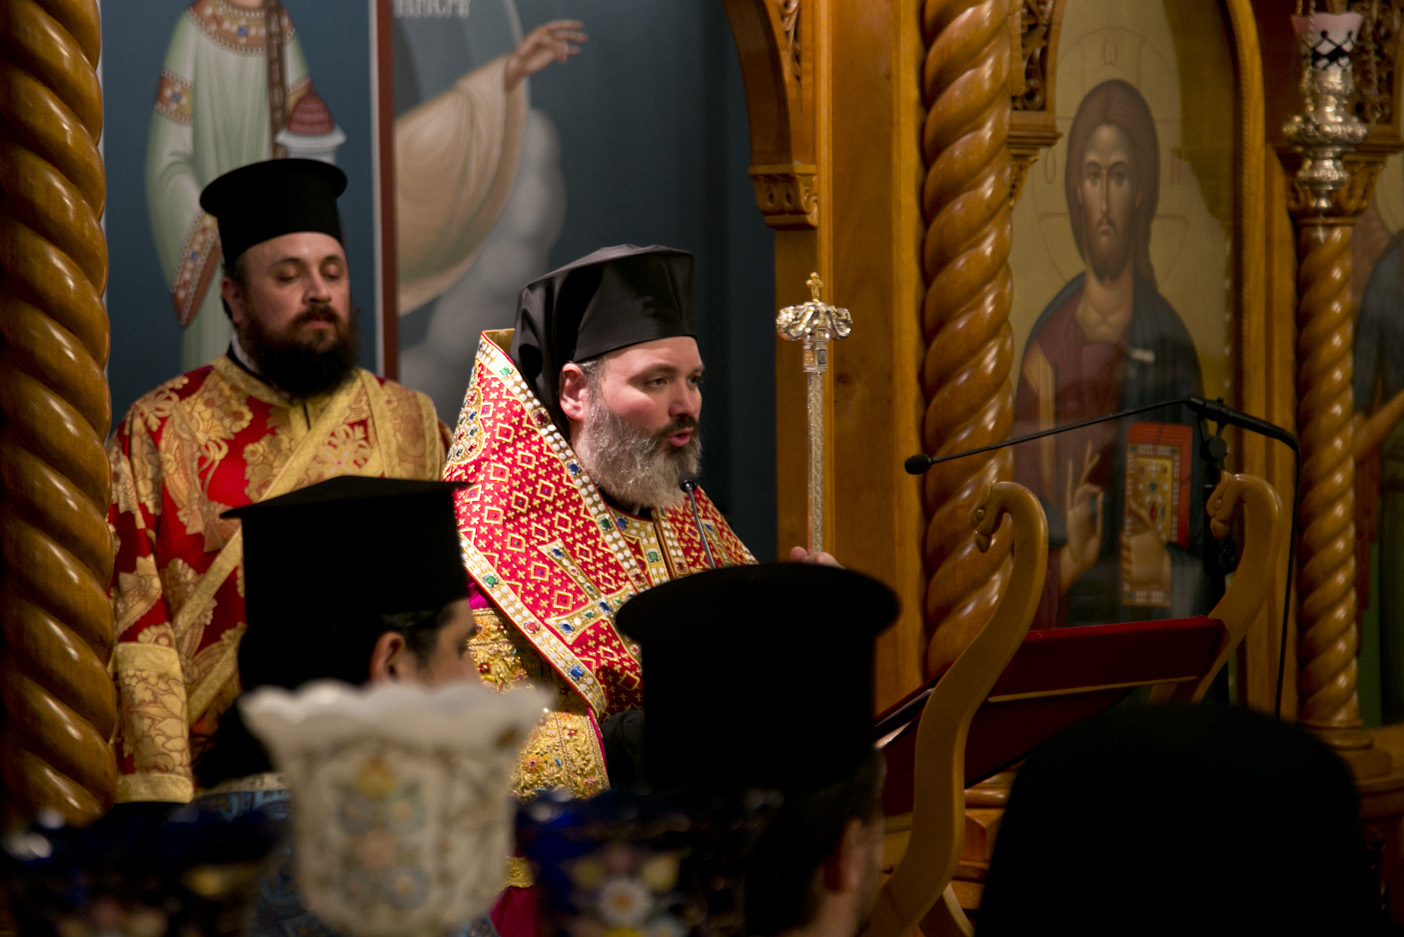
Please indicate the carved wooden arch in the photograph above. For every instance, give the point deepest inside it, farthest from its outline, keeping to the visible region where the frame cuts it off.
(1033, 89)
(778, 71)
(832, 100)
(777, 43)
(979, 78)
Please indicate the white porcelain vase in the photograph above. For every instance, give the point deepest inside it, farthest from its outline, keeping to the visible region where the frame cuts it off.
(401, 805)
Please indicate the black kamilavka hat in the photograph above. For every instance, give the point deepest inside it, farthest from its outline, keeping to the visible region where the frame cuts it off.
(611, 299)
(323, 563)
(758, 676)
(261, 201)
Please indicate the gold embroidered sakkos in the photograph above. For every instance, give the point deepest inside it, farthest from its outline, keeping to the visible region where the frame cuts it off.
(563, 750)
(552, 561)
(197, 445)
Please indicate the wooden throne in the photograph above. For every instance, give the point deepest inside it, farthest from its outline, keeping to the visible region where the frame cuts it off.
(1012, 688)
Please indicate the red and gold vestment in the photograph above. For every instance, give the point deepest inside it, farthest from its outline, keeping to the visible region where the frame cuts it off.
(552, 561)
(210, 440)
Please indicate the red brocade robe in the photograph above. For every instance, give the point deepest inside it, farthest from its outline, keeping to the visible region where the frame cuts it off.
(198, 445)
(551, 562)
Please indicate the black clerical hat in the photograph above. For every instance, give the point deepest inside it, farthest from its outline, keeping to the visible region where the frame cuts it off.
(758, 676)
(261, 201)
(611, 299)
(323, 563)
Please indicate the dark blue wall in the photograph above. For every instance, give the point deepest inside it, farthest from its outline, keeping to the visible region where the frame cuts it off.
(654, 147)
(145, 333)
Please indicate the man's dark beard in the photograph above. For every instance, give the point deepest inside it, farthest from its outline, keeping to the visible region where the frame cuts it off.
(1108, 260)
(631, 466)
(293, 366)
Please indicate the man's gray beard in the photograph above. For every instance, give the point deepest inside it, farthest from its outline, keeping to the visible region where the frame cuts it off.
(631, 466)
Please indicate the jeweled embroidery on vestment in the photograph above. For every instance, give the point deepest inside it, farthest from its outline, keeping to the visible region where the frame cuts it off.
(563, 752)
(545, 547)
(174, 97)
(234, 27)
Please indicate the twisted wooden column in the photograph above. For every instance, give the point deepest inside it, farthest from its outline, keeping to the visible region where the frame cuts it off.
(965, 313)
(59, 702)
(1326, 549)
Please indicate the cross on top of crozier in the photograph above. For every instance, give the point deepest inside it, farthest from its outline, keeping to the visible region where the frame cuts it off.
(814, 320)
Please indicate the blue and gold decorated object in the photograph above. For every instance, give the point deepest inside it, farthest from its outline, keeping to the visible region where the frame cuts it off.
(630, 864)
(400, 803)
(222, 865)
(143, 871)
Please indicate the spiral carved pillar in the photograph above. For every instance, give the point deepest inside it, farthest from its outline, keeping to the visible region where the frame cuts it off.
(1326, 549)
(58, 700)
(1327, 622)
(965, 312)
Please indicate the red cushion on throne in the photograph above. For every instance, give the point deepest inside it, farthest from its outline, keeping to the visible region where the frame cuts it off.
(1056, 678)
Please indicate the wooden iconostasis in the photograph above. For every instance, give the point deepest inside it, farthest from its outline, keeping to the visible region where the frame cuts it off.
(913, 153)
(916, 155)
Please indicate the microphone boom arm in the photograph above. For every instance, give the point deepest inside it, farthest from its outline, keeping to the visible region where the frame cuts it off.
(1215, 410)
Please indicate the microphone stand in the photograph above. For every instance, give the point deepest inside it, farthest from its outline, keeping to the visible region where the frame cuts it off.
(1223, 414)
(1217, 556)
(1212, 452)
(1215, 410)
(687, 481)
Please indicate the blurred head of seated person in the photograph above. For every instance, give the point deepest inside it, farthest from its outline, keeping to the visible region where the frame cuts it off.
(354, 579)
(1181, 819)
(761, 678)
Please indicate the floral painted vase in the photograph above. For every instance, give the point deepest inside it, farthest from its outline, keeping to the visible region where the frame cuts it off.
(401, 806)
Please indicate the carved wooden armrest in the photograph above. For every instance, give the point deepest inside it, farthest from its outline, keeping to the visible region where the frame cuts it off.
(921, 881)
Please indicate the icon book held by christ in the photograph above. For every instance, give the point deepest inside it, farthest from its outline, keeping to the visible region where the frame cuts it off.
(1157, 494)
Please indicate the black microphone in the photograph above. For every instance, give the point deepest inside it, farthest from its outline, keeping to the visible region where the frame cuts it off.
(687, 481)
(916, 464)
(1224, 415)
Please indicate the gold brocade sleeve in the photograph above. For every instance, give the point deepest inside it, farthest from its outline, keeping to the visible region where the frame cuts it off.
(154, 733)
(419, 436)
(151, 743)
(564, 751)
